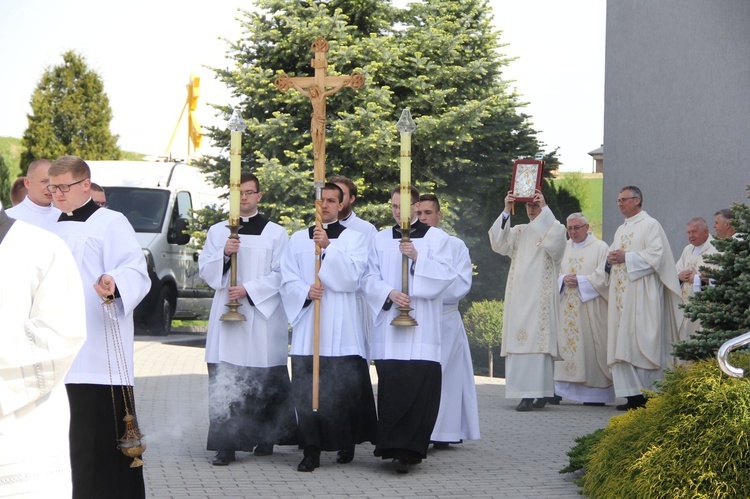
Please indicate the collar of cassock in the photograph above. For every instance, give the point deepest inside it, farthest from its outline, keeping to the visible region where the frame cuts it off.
(252, 226)
(418, 230)
(333, 230)
(79, 214)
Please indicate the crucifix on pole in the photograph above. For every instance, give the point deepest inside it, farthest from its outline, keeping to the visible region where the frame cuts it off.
(317, 88)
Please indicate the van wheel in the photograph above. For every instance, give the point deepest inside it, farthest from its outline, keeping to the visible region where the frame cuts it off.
(161, 318)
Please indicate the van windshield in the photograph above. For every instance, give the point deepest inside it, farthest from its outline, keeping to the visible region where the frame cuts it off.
(144, 208)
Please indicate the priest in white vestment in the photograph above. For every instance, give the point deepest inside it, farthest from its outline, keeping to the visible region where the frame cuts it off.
(346, 413)
(250, 407)
(43, 327)
(112, 266)
(688, 268)
(582, 373)
(644, 294)
(458, 417)
(407, 358)
(349, 219)
(530, 321)
(36, 208)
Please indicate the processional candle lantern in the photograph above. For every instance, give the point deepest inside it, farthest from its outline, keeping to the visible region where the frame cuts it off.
(406, 127)
(236, 125)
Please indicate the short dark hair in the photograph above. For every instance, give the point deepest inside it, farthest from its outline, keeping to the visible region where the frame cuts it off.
(70, 164)
(726, 213)
(96, 187)
(17, 191)
(431, 197)
(330, 186)
(250, 177)
(340, 179)
(636, 193)
(414, 193)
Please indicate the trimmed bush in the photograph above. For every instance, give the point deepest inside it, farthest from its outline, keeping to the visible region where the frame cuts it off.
(691, 440)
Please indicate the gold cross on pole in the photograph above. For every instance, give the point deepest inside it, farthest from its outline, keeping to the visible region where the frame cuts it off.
(317, 88)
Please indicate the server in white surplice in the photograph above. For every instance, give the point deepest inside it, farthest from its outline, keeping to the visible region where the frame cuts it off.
(407, 358)
(111, 264)
(250, 406)
(346, 414)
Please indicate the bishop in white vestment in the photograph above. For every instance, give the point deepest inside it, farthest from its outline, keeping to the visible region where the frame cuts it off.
(111, 264)
(644, 293)
(530, 321)
(250, 406)
(688, 268)
(42, 320)
(346, 413)
(582, 373)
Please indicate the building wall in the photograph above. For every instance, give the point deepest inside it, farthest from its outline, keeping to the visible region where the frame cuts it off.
(677, 109)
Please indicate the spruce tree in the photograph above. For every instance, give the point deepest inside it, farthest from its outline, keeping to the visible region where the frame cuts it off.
(70, 115)
(724, 307)
(440, 58)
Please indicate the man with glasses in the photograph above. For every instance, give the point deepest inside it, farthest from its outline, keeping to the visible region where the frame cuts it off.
(36, 208)
(250, 407)
(98, 195)
(582, 373)
(530, 324)
(112, 267)
(644, 294)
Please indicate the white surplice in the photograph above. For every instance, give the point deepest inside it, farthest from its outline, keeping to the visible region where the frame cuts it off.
(43, 328)
(262, 339)
(458, 417)
(342, 266)
(30, 212)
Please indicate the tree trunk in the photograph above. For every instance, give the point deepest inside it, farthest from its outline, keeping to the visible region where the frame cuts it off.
(492, 363)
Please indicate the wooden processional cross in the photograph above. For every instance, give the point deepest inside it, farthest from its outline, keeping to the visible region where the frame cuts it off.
(317, 88)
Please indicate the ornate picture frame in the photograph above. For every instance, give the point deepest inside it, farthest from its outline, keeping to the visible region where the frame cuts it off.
(526, 178)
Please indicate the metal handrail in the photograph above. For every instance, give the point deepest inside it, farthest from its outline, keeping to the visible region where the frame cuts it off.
(723, 353)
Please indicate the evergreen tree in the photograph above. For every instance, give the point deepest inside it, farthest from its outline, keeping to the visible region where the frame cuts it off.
(440, 58)
(724, 308)
(70, 115)
(5, 184)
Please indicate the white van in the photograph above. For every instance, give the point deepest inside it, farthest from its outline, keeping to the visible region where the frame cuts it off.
(158, 199)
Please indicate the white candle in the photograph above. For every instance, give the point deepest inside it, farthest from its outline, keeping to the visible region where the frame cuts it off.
(235, 152)
(405, 179)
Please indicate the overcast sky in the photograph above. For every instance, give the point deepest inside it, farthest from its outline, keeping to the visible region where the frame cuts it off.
(146, 50)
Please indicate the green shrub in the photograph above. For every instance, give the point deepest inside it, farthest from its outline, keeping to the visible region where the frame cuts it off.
(581, 452)
(691, 440)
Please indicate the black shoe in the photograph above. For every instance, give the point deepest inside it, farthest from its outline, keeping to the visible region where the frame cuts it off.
(263, 450)
(554, 400)
(401, 465)
(345, 456)
(634, 402)
(526, 405)
(540, 403)
(309, 463)
(440, 445)
(594, 404)
(223, 458)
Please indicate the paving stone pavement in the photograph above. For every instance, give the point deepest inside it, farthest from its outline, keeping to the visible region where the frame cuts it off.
(519, 454)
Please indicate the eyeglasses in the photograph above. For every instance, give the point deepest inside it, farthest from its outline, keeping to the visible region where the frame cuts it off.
(63, 187)
(103, 204)
(577, 227)
(248, 193)
(622, 200)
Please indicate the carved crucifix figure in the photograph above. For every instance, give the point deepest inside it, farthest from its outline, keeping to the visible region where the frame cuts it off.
(317, 89)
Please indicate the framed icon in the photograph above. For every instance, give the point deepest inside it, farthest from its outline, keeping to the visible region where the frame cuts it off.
(527, 177)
